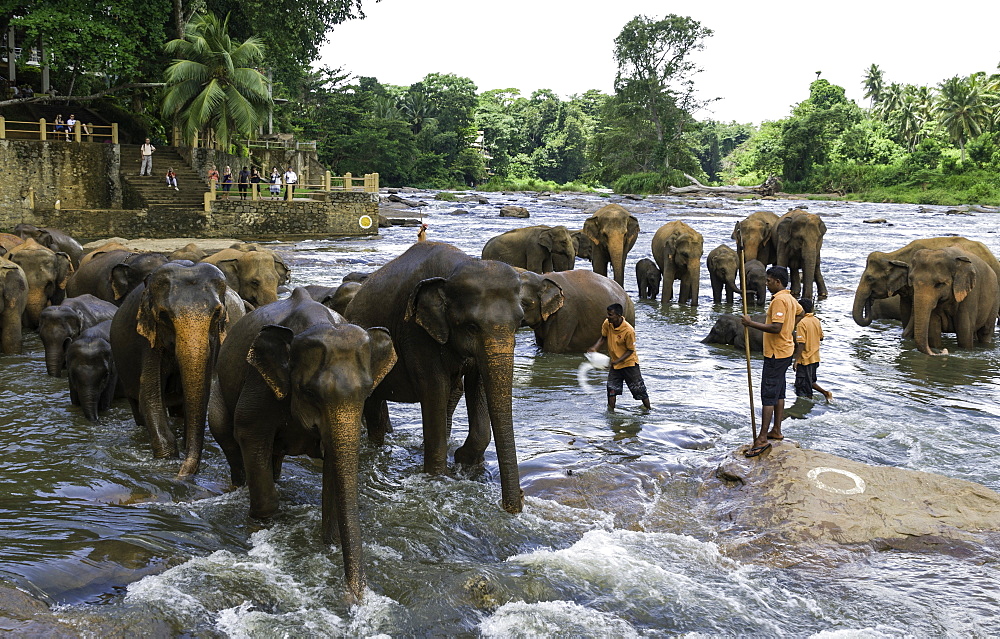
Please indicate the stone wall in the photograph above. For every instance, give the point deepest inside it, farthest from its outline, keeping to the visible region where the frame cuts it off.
(80, 175)
(244, 219)
(308, 168)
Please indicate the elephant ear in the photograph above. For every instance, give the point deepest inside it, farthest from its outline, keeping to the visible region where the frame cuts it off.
(146, 318)
(429, 308)
(551, 298)
(269, 355)
(284, 273)
(897, 277)
(545, 239)
(65, 267)
(631, 232)
(231, 269)
(592, 229)
(964, 279)
(119, 280)
(383, 354)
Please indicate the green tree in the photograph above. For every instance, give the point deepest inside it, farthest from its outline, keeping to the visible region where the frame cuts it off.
(654, 72)
(213, 82)
(963, 110)
(873, 83)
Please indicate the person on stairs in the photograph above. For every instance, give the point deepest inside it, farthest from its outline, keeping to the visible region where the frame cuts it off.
(172, 179)
(146, 153)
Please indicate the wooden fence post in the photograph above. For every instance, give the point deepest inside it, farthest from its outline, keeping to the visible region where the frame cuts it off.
(76, 132)
(326, 180)
(42, 133)
(3, 128)
(114, 133)
(254, 191)
(348, 182)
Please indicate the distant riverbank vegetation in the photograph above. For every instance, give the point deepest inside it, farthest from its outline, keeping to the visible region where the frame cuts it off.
(935, 144)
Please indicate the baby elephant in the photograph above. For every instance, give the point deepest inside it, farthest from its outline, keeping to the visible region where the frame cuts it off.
(647, 274)
(93, 379)
(728, 329)
(723, 265)
(756, 292)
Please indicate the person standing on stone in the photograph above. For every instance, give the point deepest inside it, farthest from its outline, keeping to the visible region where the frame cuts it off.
(145, 153)
(779, 346)
(291, 179)
(254, 181)
(227, 182)
(244, 182)
(619, 336)
(805, 361)
(275, 182)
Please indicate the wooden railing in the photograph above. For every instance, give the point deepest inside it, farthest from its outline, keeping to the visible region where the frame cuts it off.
(44, 130)
(300, 191)
(281, 144)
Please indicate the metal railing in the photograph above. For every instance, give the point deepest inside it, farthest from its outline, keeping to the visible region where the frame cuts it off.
(44, 130)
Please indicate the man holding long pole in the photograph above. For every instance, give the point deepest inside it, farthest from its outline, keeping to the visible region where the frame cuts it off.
(779, 346)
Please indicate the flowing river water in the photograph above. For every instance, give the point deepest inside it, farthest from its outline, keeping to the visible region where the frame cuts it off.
(613, 540)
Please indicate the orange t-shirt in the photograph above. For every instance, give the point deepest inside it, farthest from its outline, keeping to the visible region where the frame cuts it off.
(809, 333)
(783, 308)
(620, 339)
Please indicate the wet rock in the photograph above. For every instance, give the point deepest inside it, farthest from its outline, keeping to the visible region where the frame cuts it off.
(458, 212)
(383, 222)
(792, 495)
(392, 191)
(514, 211)
(959, 211)
(876, 220)
(632, 196)
(410, 203)
(399, 221)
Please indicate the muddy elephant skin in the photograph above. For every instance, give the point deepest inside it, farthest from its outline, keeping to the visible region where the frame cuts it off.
(13, 300)
(728, 329)
(540, 249)
(255, 275)
(800, 243)
(723, 265)
(757, 234)
(111, 275)
(677, 249)
(647, 276)
(60, 325)
(90, 367)
(53, 239)
(612, 231)
(46, 273)
(756, 282)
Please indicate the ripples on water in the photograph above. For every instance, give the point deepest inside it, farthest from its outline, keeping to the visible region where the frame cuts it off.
(612, 541)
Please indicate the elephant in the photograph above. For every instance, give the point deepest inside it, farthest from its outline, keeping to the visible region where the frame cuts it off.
(53, 239)
(541, 249)
(189, 251)
(355, 276)
(334, 297)
(887, 308)
(112, 275)
(728, 329)
(612, 231)
(7, 242)
(450, 315)
(165, 339)
(13, 300)
(756, 282)
(677, 249)
(255, 275)
(647, 276)
(952, 288)
(60, 325)
(723, 266)
(567, 309)
(582, 245)
(758, 241)
(800, 242)
(293, 377)
(885, 276)
(90, 367)
(46, 272)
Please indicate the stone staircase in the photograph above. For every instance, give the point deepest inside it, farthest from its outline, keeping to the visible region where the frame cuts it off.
(153, 189)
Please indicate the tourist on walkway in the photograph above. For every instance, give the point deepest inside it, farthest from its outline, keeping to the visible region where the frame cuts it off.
(145, 151)
(227, 182)
(60, 126)
(275, 182)
(244, 181)
(291, 180)
(254, 182)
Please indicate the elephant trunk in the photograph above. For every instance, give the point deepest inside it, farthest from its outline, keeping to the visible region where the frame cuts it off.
(616, 252)
(496, 370)
(341, 436)
(862, 307)
(55, 357)
(196, 357)
(923, 306)
(90, 399)
(37, 301)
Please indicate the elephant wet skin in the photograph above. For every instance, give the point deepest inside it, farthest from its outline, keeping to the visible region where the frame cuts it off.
(800, 242)
(677, 249)
(60, 325)
(46, 273)
(728, 329)
(293, 377)
(255, 274)
(541, 249)
(165, 339)
(53, 239)
(335, 298)
(13, 300)
(450, 316)
(723, 264)
(755, 236)
(956, 289)
(647, 276)
(90, 366)
(111, 275)
(567, 310)
(612, 231)
(756, 282)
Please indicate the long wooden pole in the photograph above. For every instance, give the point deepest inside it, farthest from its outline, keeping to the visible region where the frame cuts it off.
(746, 330)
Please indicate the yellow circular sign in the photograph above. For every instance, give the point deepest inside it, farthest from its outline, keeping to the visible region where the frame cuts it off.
(365, 221)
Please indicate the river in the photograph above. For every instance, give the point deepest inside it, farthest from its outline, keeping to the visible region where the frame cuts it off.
(614, 539)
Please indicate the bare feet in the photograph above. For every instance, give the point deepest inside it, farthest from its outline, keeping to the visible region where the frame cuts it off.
(828, 396)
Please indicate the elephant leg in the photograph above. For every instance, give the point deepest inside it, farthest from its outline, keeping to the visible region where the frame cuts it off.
(74, 396)
(377, 420)
(641, 281)
(276, 462)
(221, 424)
(434, 415)
(716, 288)
(599, 259)
(934, 331)
(684, 290)
(108, 394)
(453, 398)
(821, 291)
(796, 281)
(255, 427)
(153, 410)
(136, 412)
(964, 331)
(480, 433)
(906, 313)
(668, 283)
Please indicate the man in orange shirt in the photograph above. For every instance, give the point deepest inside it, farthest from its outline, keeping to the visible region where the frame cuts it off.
(808, 333)
(620, 339)
(779, 346)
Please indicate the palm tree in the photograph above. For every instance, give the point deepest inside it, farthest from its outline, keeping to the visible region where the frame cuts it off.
(212, 82)
(963, 111)
(889, 100)
(908, 117)
(874, 83)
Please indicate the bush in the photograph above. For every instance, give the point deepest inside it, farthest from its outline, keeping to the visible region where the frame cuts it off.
(653, 182)
(497, 183)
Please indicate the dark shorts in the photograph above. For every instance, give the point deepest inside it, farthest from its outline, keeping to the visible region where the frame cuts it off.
(226, 186)
(805, 377)
(772, 380)
(629, 375)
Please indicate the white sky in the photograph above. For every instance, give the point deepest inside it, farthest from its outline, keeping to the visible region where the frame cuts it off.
(760, 60)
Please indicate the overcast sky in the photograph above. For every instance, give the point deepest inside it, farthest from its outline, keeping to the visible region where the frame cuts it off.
(760, 60)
